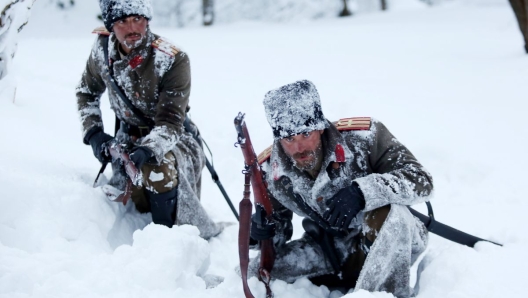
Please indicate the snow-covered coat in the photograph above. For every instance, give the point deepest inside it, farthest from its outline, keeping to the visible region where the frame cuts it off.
(387, 173)
(156, 78)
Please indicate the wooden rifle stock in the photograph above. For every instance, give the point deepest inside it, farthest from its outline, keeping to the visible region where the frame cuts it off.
(134, 176)
(260, 197)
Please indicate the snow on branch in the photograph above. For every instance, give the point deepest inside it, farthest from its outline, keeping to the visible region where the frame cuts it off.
(13, 17)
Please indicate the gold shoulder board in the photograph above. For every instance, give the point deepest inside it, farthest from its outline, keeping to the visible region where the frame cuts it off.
(264, 155)
(354, 123)
(101, 31)
(166, 47)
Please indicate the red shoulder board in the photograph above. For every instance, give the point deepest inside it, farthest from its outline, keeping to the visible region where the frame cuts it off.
(166, 47)
(354, 123)
(264, 155)
(101, 31)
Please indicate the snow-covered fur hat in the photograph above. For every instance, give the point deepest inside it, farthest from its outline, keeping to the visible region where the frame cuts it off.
(293, 109)
(114, 10)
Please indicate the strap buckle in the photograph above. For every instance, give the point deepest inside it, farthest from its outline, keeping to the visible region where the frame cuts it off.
(143, 130)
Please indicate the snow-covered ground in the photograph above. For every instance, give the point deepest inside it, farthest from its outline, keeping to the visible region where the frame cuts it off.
(449, 82)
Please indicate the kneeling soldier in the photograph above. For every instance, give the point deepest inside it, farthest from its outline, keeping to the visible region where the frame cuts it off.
(149, 82)
(352, 181)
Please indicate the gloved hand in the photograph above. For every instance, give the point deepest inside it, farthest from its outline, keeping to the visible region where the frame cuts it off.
(99, 141)
(140, 155)
(261, 229)
(344, 206)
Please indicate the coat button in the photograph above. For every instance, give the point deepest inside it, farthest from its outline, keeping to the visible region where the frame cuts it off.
(127, 113)
(137, 95)
(335, 165)
(319, 199)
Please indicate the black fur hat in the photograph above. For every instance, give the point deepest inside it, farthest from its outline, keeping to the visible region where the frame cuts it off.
(114, 10)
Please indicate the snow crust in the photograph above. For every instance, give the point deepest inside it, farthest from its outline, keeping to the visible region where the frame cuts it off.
(448, 81)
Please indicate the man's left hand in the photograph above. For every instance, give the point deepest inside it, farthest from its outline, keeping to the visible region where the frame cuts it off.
(344, 206)
(140, 155)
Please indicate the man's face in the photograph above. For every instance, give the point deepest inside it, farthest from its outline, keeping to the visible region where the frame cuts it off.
(130, 31)
(305, 150)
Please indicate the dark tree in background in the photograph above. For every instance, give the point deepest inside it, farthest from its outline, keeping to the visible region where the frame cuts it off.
(65, 4)
(520, 8)
(208, 12)
(383, 4)
(345, 12)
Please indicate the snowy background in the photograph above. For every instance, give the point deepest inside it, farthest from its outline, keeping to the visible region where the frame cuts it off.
(448, 80)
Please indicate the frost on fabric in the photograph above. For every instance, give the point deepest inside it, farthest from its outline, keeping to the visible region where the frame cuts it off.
(294, 109)
(297, 259)
(190, 161)
(395, 188)
(160, 140)
(92, 109)
(398, 243)
(128, 7)
(162, 60)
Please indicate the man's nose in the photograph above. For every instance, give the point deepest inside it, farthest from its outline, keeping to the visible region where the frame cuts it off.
(298, 146)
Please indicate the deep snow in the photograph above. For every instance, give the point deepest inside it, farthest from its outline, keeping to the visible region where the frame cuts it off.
(449, 82)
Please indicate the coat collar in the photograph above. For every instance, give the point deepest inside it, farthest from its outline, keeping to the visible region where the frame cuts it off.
(137, 58)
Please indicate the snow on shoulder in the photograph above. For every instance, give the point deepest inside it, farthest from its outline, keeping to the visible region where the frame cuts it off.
(167, 54)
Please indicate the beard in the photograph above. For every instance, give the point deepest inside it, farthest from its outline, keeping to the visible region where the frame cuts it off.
(132, 44)
(312, 159)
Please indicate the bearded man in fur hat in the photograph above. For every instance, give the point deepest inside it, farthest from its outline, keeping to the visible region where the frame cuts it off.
(149, 82)
(351, 180)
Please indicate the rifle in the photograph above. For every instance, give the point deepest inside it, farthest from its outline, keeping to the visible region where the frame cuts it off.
(118, 152)
(253, 176)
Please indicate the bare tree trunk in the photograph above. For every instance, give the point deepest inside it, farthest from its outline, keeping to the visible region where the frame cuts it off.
(520, 8)
(383, 4)
(345, 12)
(208, 12)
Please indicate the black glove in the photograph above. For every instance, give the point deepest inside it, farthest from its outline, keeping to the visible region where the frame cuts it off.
(99, 141)
(140, 155)
(344, 206)
(261, 229)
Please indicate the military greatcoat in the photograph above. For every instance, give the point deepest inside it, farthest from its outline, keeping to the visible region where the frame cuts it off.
(156, 79)
(387, 173)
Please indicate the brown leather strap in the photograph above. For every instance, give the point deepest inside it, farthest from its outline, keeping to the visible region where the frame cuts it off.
(243, 234)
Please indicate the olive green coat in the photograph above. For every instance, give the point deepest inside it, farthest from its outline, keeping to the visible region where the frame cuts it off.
(387, 173)
(157, 80)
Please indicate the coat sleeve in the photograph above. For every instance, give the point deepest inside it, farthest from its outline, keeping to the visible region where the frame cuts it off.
(89, 91)
(397, 178)
(171, 107)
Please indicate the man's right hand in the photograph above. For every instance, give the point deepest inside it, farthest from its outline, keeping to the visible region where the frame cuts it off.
(99, 141)
(261, 229)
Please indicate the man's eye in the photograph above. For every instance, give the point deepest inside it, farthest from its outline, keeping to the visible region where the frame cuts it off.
(307, 134)
(137, 19)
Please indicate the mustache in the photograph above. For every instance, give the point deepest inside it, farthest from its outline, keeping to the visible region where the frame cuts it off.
(303, 154)
(133, 34)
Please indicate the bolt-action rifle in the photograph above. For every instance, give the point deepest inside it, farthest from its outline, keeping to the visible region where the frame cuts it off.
(253, 176)
(120, 153)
